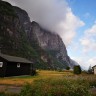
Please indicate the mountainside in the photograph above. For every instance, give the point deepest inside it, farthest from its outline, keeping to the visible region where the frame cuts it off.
(51, 43)
(13, 39)
(21, 37)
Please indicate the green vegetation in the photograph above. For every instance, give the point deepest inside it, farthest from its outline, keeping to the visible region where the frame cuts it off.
(67, 68)
(77, 69)
(8, 94)
(52, 83)
(56, 87)
(62, 86)
(69, 85)
(6, 9)
(58, 63)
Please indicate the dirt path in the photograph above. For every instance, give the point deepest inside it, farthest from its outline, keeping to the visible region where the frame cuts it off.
(16, 89)
(10, 89)
(93, 91)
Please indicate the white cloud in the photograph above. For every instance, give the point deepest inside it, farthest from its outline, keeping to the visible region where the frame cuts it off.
(85, 62)
(85, 42)
(92, 61)
(91, 31)
(54, 15)
(89, 39)
(69, 26)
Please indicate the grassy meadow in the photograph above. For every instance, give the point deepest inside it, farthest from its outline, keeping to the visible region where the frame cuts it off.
(53, 83)
(21, 80)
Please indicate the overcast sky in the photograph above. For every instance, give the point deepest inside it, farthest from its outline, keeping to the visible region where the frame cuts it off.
(73, 20)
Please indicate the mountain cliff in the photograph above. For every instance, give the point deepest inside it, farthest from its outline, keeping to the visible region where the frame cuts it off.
(51, 43)
(21, 37)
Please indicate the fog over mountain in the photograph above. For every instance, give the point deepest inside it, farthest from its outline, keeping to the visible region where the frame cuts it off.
(21, 37)
(54, 15)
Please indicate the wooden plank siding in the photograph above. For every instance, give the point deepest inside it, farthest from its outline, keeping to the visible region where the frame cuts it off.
(11, 69)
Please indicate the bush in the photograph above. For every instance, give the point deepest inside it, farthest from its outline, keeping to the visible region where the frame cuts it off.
(33, 72)
(77, 69)
(67, 68)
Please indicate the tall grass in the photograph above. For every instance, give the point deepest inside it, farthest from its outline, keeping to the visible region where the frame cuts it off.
(57, 87)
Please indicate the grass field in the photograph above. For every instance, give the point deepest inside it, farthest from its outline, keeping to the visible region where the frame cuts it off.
(21, 80)
(54, 83)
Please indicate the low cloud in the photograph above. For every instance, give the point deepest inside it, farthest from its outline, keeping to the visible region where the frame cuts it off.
(54, 15)
(85, 62)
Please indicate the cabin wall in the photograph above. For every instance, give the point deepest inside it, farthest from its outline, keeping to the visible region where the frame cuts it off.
(3, 68)
(13, 70)
(94, 70)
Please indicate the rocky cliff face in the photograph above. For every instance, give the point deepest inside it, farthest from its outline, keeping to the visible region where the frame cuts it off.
(29, 40)
(24, 19)
(50, 42)
(13, 38)
(39, 37)
(9, 27)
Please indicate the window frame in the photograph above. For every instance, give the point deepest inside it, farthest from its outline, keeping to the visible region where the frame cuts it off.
(1, 64)
(18, 65)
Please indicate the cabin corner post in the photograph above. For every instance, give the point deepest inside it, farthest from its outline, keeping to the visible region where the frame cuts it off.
(31, 69)
(5, 69)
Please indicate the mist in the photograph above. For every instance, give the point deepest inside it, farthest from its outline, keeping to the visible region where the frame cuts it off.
(53, 15)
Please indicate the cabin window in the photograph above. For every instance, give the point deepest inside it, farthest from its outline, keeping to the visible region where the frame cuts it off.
(1, 64)
(18, 65)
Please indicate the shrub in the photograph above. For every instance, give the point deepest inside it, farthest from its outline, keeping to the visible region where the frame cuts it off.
(33, 72)
(67, 68)
(2, 94)
(60, 70)
(26, 91)
(77, 69)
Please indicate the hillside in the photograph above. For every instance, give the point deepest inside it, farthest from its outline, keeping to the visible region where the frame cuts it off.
(21, 37)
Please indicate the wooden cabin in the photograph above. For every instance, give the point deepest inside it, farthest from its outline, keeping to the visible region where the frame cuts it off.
(14, 66)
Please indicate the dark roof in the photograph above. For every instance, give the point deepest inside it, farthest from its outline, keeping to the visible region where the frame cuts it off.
(14, 59)
(94, 66)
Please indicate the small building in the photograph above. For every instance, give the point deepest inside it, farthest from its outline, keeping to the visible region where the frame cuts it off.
(94, 69)
(14, 66)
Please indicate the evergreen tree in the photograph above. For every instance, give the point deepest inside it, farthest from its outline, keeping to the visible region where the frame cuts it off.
(67, 68)
(77, 69)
